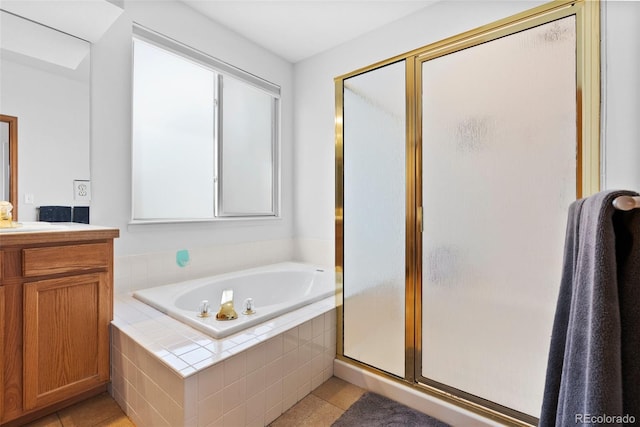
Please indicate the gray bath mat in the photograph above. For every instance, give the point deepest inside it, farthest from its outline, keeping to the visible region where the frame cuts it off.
(373, 410)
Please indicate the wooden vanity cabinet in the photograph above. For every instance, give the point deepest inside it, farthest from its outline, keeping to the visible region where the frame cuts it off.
(2, 345)
(56, 303)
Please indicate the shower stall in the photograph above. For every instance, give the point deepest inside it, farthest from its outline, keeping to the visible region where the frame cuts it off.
(455, 166)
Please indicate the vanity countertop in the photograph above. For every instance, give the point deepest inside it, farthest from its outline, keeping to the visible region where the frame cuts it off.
(46, 232)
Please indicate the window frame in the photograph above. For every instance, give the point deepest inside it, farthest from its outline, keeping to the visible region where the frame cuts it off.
(220, 70)
(219, 209)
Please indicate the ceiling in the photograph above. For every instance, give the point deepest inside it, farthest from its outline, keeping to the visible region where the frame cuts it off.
(86, 19)
(27, 29)
(298, 29)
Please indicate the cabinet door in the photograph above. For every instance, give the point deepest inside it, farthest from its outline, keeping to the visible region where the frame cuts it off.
(66, 337)
(2, 349)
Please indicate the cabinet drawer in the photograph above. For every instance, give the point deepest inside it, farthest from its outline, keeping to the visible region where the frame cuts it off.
(63, 259)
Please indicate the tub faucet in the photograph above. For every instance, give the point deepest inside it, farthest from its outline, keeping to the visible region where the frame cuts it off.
(226, 306)
(248, 306)
(203, 310)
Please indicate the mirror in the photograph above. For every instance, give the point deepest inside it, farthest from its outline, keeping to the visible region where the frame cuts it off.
(9, 161)
(45, 82)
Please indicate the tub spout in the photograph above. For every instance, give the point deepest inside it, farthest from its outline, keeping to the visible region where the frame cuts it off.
(226, 306)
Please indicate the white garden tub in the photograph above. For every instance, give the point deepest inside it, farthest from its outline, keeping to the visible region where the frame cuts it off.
(275, 289)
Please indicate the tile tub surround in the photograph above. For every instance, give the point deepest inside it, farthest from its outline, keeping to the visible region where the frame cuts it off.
(165, 373)
(133, 272)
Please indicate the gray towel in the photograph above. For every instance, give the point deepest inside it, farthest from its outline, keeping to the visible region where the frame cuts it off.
(593, 371)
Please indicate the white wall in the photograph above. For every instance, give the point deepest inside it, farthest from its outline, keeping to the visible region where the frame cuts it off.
(111, 138)
(315, 106)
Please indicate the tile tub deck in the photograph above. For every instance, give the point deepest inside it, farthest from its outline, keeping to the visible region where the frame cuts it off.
(165, 373)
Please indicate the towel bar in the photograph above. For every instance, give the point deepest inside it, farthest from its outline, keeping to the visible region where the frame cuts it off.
(626, 203)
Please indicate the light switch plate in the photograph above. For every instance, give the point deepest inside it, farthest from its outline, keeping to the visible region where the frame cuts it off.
(82, 190)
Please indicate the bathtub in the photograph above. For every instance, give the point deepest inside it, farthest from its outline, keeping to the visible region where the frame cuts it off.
(275, 289)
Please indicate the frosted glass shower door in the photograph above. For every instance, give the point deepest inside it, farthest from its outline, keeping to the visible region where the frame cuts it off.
(374, 217)
(498, 173)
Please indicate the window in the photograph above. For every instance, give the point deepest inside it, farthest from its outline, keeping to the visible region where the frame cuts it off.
(205, 136)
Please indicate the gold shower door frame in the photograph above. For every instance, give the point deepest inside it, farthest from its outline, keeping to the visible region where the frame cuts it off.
(587, 17)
